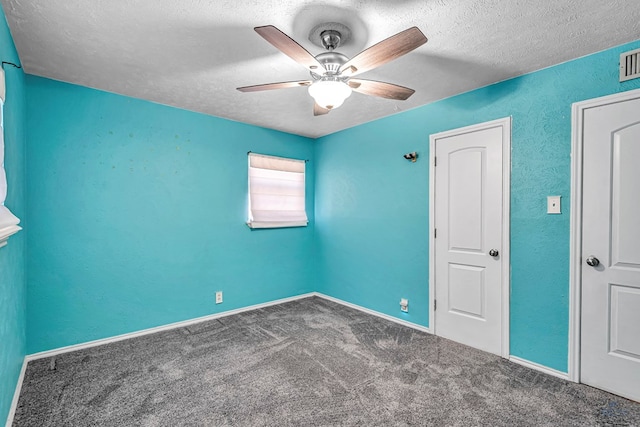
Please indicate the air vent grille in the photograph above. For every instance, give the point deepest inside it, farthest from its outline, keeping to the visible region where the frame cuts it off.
(630, 65)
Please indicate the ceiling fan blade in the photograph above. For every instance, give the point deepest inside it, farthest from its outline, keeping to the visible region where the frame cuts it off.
(385, 51)
(289, 47)
(381, 89)
(271, 86)
(319, 111)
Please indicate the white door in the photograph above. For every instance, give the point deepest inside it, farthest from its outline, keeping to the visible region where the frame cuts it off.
(469, 249)
(610, 324)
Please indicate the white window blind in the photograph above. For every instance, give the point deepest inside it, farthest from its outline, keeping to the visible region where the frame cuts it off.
(276, 192)
(8, 221)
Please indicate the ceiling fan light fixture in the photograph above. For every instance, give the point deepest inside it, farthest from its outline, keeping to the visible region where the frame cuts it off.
(329, 94)
(330, 71)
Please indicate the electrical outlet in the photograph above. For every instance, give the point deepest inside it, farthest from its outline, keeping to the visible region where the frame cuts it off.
(404, 305)
(553, 204)
(219, 297)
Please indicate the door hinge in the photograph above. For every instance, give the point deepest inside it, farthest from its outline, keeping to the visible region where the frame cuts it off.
(435, 161)
(435, 305)
(435, 233)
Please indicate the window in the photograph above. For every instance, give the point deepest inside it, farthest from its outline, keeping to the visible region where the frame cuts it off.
(8, 221)
(276, 192)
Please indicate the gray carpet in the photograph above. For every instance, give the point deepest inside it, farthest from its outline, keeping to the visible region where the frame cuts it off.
(305, 363)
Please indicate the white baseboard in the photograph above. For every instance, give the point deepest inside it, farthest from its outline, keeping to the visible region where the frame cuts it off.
(374, 313)
(16, 393)
(95, 343)
(189, 322)
(538, 367)
(89, 344)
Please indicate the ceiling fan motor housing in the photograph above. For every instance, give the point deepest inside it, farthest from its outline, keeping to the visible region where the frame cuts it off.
(331, 61)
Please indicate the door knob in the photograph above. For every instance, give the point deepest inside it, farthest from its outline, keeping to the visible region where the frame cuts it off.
(493, 252)
(593, 261)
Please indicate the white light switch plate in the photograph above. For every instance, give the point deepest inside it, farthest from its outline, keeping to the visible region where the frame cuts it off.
(553, 204)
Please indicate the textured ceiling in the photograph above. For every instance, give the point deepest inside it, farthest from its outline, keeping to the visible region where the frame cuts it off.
(194, 53)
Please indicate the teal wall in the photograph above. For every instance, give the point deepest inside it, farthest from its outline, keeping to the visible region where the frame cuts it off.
(138, 216)
(372, 206)
(13, 303)
(136, 211)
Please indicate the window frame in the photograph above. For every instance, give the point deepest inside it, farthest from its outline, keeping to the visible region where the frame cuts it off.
(278, 182)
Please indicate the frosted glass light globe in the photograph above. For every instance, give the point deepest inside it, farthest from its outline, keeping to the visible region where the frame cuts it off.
(329, 94)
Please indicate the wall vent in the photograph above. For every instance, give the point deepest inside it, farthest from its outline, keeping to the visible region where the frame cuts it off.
(630, 65)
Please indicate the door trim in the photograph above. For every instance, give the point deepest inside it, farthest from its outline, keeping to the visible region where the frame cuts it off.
(506, 220)
(575, 228)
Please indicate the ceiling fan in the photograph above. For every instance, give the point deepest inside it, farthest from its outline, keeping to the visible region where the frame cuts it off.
(332, 72)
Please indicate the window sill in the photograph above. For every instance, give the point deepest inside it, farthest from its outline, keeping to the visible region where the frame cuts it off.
(7, 232)
(267, 224)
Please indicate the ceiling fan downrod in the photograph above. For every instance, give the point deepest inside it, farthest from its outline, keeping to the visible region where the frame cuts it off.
(330, 39)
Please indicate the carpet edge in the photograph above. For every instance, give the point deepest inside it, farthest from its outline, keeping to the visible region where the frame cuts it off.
(169, 326)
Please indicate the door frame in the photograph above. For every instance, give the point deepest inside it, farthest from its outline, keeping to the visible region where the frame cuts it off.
(506, 220)
(575, 228)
